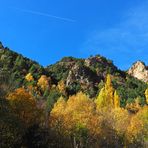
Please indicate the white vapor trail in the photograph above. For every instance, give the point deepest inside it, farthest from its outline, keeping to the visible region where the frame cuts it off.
(44, 14)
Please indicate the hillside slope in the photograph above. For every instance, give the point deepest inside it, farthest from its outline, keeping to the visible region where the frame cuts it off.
(18, 66)
(87, 75)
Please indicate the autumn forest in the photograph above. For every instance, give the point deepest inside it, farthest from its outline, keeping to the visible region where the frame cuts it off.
(74, 103)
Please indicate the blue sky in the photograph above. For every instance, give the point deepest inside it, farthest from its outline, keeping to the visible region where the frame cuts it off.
(47, 30)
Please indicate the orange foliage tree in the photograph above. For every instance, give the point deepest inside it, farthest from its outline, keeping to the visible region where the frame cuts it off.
(24, 106)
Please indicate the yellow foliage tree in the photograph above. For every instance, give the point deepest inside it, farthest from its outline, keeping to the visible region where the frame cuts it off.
(74, 116)
(146, 95)
(62, 87)
(109, 90)
(43, 82)
(116, 100)
(24, 106)
(101, 99)
(78, 119)
(106, 96)
(79, 108)
(32, 88)
(57, 116)
(115, 123)
(118, 120)
(137, 130)
(29, 77)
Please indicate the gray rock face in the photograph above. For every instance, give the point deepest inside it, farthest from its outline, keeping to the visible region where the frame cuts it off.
(82, 75)
(139, 70)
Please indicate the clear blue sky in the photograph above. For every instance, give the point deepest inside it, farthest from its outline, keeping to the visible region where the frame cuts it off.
(47, 30)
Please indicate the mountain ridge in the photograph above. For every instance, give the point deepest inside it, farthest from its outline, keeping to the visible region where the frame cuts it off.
(66, 57)
(87, 75)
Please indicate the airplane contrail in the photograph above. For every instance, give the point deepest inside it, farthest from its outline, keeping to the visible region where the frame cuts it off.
(44, 14)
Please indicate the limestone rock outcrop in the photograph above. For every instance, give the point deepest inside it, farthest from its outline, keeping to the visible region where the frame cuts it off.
(139, 70)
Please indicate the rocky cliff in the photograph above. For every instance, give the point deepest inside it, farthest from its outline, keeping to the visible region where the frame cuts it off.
(139, 70)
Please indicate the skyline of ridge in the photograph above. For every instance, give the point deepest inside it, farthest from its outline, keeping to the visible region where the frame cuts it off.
(46, 31)
(74, 57)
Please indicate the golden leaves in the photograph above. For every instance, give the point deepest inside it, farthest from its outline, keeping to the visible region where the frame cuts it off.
(138, 127)
(146, 95)
(116, 100)
(29, 77)
(79, 109)
(108, 97)
(24, 106)
(109, 124)
(43, 82)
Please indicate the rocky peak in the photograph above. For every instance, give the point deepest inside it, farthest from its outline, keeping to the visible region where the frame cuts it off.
(139, 70)
(81, 74)
(94, 60)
